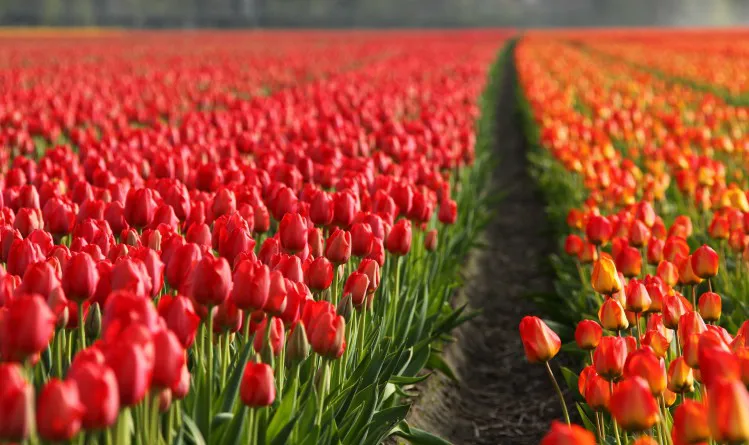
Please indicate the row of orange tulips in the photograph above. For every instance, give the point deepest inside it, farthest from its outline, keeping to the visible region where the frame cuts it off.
(642, 179)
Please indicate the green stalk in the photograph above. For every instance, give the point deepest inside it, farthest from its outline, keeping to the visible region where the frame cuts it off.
(210, 368)
(559, 393)
(81, 327)
(323, 391)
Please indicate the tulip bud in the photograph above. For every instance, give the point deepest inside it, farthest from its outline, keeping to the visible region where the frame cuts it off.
(587, 254)
(448, 212)
(541, 344)
(297, 348)
(273, 332)
(315, 241)
(16, 404)
(356, 286)
(605, 279)
(258, 387)
(59, 411)
(710, 305)
(251, 285)
(610, 356)
(563, 434)
(430, 240)
(93, 321)
(612, 315)
(345, 307)
(361, 239)
(171, 359)
(587, 373)
(588, 334)
(690, 423)
(326, 329)
(633, 406)
(689, 324)
(728, 412)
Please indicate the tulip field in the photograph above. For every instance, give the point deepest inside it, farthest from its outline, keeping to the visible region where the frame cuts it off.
(234, 238)
(241, 237)
(639, 141)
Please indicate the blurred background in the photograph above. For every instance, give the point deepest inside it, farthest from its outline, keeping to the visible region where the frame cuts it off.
(372, 13)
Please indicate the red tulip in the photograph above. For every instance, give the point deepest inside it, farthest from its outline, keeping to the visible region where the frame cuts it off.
(131, 358)
(140, 207)
(40, 278)
(690, 423)
(541, 344)
(399, 239)
(598, 230)
(651, 368)
(199, 234)
(573, 244)
(633, 406)
(59, 411)
(345, 207)
(293, 232)
(325, 329)
(80, 277)
(16, 404)
(728, 412)
(98, 393)
(356, 286)
(610, 356)
(448, 212)
(210, 281)
(361, 239)
(258, 387)
(430, 240)
(319, 274)
(21, 255)
(251, 285)
(705, 262)
(338, 247)
(710, 305)
(171, 359)
(321, 209)
(27, 327)
(277, 337)
(563, 434)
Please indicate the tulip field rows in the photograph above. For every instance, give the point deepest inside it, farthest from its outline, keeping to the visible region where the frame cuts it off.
(232, 238)
(639, 147)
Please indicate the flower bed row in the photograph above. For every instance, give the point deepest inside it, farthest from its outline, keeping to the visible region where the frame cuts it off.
(184, 264)
(649, 207)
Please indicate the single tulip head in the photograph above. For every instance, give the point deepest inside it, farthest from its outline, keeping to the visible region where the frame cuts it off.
(563, 434)
(710, 305)
(610, 356)
(541, 344)
(633, 406)
(605, 279)
(588, 334)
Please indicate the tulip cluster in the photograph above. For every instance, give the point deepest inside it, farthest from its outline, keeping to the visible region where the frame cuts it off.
(649, 176)
(231, 243)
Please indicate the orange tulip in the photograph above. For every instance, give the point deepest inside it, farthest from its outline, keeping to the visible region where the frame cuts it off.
(668, 272)
(674, 306)
(705, 262)
(690, 323)
(690, 423)
(563, 434)
(598, 229)
(657, 342)
(645, 440)
(612, 315)
(582, 379)
(638, 298)
(728, 411)
(541, 344)
(680, 376)
(629, 261)
(687, 275)
(645, 364)
(588, 334)
(633, 406)
(710, 305)
(610, 356)
(605, 279)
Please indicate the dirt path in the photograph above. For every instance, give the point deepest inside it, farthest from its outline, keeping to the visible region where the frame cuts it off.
(501, 398)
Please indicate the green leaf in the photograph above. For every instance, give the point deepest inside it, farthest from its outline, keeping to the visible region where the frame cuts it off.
(192, 430)
(416, 436)
(437, 363)
(285, 411)
(229, 395)
(570, 378)
(403, 380)
(586, 420)
(233, 434)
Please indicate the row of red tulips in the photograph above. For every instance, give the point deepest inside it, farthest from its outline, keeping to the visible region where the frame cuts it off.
(654, 246)
(183, 264)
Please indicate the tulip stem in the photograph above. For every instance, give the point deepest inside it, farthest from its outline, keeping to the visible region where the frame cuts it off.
(81, 327)
(59, 343)
(323, 390)
(613, 421)
(169, 424)
(225, 359)
(559, 393)
(637, 324)
(210, 367)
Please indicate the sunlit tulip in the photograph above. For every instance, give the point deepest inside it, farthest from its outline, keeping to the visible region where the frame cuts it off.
(541, 344)
(605, 279)
(610, 356)
(588, 334)
(563, 434)
(633, 406)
